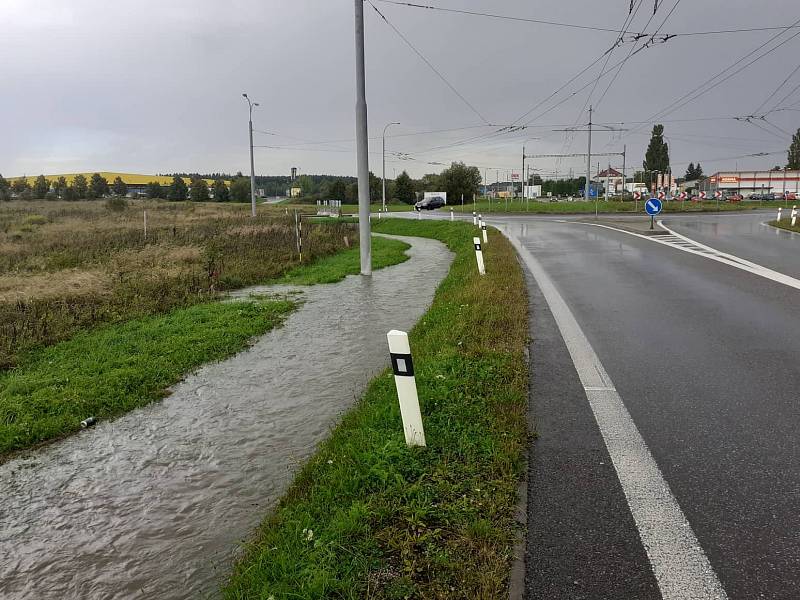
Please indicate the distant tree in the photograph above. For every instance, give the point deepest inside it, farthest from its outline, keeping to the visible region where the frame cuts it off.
(375, 188)
(40, 187)
(98, 186)
(178, 190)
(657, 156)
(698, 172)
(120, 187)
(428, 183)
(20, 185)
(404, 188)
(793, 160)
(689, 172)
(153, 190)
(337, 190)
(240, 189)
(199, 191)
(5, 189)
(60, 186)
(351, 194)
(80, 186)
(460, 179)
(70, 193)
(221, 193)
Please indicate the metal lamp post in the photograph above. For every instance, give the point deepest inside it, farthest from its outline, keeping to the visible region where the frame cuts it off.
(383, 179)
(251, 104)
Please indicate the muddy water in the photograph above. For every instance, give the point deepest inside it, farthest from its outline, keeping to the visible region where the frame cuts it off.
(154, 504)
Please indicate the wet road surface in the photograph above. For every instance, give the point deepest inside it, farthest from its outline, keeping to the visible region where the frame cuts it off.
(154, 504)
(704, 358)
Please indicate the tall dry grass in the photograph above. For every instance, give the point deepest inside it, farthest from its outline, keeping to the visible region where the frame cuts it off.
(68, 266)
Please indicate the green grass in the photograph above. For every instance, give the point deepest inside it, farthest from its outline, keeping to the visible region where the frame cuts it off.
(112, 370)
(368, 517)
(385, 252)
(786, 224)
(612, 206)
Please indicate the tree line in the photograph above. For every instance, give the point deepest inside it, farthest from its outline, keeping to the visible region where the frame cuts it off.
(98, 186)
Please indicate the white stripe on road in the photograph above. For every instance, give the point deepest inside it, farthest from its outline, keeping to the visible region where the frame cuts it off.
(681, 242)
(680, 566)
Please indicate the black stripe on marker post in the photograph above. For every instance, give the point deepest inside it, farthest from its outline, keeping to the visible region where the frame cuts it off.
(402, 364)
(477, 247)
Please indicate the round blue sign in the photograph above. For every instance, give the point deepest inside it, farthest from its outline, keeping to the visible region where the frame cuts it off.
(653, 206)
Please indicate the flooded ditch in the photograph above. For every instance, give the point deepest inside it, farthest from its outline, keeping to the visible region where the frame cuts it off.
(155, 504)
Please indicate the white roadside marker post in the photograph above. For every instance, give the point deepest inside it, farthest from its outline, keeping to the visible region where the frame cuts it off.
(483, 229)
(474, 218)
(779, 214)
(480, 220)
(479, 255)
(451, 213)
(403, 368)
(794, 214)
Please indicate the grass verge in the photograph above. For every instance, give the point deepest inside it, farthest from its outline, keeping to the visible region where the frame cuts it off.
(385, 252)
(111, 370)
(368, 517)
(787, 225)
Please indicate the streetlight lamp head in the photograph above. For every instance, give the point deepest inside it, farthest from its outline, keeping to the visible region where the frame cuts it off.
(255, 103)
(245, 95)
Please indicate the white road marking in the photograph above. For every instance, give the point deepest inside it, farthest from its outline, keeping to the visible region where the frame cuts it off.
(685, 244)
(680, 565)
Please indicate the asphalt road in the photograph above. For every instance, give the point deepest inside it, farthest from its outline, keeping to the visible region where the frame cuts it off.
(704, 358)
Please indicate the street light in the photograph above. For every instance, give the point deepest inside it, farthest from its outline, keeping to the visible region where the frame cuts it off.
(251, 104)
(383, 179)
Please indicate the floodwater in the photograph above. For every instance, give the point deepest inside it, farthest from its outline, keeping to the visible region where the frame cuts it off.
(156, 503)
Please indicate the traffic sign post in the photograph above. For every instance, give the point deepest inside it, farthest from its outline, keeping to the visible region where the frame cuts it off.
(653, 207)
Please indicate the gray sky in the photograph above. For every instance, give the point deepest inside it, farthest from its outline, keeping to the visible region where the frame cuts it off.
(152, 86)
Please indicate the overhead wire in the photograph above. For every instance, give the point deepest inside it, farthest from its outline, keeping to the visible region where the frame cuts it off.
(475, 13)
(704, 88)
(430, 65)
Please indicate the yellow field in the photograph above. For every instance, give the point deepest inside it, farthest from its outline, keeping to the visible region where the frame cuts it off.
(129, 178)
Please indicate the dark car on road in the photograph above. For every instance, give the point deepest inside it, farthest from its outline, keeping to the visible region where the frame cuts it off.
(430, 203)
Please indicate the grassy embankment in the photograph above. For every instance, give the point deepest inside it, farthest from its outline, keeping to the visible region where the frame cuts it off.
(104, 370)
(786, 224)
(613, 206)
(368, 517)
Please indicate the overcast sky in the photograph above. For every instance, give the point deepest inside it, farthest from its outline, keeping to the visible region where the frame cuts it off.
(149, 86)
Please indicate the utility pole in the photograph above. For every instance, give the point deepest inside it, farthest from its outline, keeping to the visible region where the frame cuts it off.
(383, 179)
(362, 146)
(608, 180)
(522, 173)
(251, 104)
(624, 178)
(589, 160)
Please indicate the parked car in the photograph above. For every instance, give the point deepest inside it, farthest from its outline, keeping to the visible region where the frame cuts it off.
(786, 196)
(430, 203)
(756, 197)
(732, 197)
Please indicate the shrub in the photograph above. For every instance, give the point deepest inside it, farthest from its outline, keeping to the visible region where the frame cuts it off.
(116, 204)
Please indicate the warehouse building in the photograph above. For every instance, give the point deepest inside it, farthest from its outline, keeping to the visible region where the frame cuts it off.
(747, 183)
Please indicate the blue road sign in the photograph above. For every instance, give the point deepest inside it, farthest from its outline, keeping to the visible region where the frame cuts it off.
(653, 206)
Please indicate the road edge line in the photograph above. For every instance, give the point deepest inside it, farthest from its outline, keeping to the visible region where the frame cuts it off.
(679, 563)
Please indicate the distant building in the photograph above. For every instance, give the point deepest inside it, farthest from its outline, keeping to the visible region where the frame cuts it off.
(752, 182)
(612, 179)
